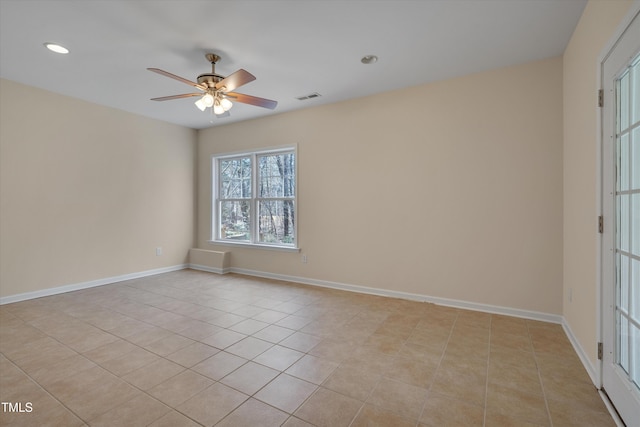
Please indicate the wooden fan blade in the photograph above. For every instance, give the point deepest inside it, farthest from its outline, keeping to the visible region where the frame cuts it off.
(184, 95)
(178, 78)
(235, 80)
(253, 100)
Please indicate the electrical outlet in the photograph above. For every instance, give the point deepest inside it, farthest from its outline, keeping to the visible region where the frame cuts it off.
(570, 294)
(159, 251)
(304, 259)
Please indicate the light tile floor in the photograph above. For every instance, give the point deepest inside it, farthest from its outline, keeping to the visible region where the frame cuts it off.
(190, 348)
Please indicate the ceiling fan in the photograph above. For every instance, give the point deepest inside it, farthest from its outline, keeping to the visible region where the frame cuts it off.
(216, 90)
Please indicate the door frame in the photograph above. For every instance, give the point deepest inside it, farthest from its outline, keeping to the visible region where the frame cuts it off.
(601, 198)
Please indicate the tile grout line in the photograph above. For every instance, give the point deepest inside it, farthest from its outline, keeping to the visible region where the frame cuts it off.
(77, 353)
(544, 393)
(289, 414)
(44, 389)
(435, 373)
(364, 402)
(130, 342)
(319, 305)
(486, 387)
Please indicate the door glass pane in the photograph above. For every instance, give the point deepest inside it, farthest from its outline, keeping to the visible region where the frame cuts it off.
(635, 158)
(624, 103)
(635, 286)
(623, 163)
(623, 222)
(635, 90)
(623, 295)
(635, 224)
(623, 342)
(635, 369)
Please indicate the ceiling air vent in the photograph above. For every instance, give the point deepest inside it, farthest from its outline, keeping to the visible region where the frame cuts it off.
(310, 96)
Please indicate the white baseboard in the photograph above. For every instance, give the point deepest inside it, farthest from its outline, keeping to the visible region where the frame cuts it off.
(593, 372)
(467, 305)
(89, 284)
(496, 309)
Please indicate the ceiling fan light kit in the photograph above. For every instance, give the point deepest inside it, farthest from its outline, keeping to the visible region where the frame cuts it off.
(217, 89)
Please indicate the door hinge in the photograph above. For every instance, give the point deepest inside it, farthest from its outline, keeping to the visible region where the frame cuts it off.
(600, 351)
(601, 98)
(600, 224)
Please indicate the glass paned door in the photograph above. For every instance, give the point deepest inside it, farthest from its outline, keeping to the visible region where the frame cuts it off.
(621, 234)
(627, 203)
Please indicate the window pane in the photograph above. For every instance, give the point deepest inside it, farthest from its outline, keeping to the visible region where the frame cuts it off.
(277, 221)
(276, 175)
(235, 178)
(235, 220)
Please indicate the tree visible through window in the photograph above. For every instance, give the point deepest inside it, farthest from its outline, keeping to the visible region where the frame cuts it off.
(256, 198)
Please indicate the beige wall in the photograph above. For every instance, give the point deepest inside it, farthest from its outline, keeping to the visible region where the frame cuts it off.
(451, 190)
(581, 145)
(88, 192)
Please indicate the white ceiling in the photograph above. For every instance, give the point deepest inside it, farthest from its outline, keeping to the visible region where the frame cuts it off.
(293, 47)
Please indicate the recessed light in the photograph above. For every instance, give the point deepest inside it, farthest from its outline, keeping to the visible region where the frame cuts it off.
(54, 47)
(369, 59)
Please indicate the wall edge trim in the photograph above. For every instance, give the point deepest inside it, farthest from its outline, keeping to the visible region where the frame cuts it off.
(466, 305)
(461, 304)
(88, 284)
(594, 373)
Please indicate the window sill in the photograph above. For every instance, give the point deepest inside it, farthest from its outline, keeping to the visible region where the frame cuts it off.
(254, 246)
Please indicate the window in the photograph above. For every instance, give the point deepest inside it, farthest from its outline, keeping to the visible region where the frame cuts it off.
(255, 198)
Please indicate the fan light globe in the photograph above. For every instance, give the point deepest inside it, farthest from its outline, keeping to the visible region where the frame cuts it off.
(200, 105)
(207, 99)
(226, 104)
(217, 108)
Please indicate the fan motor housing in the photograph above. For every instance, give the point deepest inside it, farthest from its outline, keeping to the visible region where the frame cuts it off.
(209, 79)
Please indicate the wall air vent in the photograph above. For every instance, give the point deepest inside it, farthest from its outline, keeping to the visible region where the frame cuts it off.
(310, 96)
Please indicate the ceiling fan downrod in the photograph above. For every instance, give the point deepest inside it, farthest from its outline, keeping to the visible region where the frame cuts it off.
(210, 79)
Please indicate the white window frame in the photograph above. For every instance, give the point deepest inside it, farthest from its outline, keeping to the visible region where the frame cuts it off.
(253, 200)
